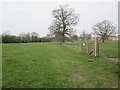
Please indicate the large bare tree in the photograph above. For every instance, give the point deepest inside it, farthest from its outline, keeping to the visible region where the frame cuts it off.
(63, 20)
(104, 29)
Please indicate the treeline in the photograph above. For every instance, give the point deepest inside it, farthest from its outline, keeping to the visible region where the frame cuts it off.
(34, 37)
(24, 38)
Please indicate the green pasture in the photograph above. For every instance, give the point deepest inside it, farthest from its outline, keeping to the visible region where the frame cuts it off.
(50, 65)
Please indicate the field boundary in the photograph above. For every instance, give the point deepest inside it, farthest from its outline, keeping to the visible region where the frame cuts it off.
(89, 48)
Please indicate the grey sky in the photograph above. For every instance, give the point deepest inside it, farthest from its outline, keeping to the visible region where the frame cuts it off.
(20, 17)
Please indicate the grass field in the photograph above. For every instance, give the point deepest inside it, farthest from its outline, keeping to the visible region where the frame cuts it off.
(109, 49)
(49, 65)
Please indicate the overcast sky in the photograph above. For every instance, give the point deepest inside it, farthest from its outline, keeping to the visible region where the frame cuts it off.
(20, 17)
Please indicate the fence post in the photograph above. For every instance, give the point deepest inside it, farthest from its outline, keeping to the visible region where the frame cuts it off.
(96, 47)
(82, 47)
(86, 47)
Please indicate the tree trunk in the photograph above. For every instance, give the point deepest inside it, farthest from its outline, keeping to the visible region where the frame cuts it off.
(103, 39)
(63, 38)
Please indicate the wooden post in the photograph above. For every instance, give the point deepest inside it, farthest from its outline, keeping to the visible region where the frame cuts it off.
(74, 46)
(86, 47)
(96, 47)
(82, 48)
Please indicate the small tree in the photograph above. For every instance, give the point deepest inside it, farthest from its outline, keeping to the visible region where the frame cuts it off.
(7, 38)
(85, 36)
(75, 37)
(25, 37)
(64, 19)
(104, 29)
(35, 36)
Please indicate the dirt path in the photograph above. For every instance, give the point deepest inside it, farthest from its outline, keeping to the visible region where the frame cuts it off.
(113, 59)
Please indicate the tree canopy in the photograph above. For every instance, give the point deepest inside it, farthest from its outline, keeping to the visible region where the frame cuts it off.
(104, 29)
(63, 20)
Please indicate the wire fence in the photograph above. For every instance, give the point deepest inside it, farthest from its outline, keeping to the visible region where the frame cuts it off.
(89, 48)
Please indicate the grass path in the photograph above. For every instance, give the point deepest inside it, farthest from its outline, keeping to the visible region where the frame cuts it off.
(45, 65)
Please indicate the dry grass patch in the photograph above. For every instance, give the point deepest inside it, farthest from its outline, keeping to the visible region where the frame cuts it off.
(77, 79)
(113, 59)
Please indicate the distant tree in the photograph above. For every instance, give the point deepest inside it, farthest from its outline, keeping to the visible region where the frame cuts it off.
(45, 39)
(75, 37)
(25, 37)
(50, 37)
(85, 36)
(104, 29)
(35, 37)
(7, 38)
(64, 19)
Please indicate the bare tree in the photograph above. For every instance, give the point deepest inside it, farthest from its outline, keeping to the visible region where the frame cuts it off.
(34, 36)
(75, 37)
(104, 29)
(63, 20)
(85, 36)
(25, 37)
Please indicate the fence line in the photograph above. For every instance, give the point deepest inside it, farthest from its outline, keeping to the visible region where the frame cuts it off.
(89, 48)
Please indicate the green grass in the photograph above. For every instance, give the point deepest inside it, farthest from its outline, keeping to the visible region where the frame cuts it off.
(108, 49)
(49, 65)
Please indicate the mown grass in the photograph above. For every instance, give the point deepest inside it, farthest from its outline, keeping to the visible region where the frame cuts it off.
(109, 49)
(49, 65)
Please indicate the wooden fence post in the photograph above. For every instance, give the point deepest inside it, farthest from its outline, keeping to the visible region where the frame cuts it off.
(86, 47)
(96, 47)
